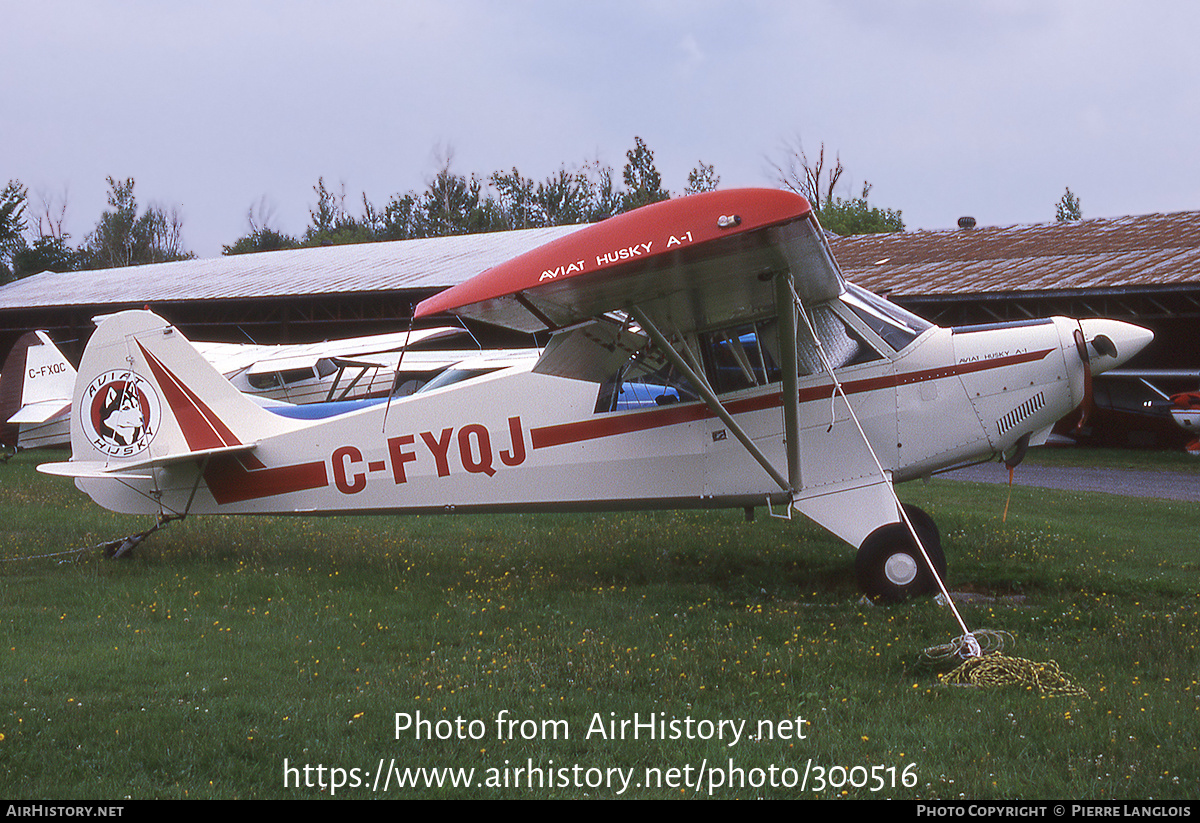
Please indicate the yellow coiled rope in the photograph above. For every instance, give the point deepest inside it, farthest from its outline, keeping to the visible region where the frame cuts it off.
(992, 669)
(995, 670)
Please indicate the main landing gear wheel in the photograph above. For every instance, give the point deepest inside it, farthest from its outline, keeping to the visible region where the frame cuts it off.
(889, 565)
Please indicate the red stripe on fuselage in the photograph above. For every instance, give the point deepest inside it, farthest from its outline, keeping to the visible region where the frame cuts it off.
(231, 482)
(672, 415)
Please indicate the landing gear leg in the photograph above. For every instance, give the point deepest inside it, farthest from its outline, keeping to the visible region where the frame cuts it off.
(889, 565)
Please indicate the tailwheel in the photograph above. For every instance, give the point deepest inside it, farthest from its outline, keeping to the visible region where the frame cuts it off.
(889, 565)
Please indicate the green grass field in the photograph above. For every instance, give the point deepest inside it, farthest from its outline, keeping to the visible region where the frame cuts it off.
(302, 658)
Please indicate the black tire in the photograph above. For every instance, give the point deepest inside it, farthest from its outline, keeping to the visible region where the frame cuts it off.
(889, 565)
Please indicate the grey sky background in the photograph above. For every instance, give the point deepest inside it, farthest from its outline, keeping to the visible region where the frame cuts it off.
(948, 108)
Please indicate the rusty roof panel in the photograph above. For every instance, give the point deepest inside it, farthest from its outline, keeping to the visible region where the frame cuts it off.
(1127, 252)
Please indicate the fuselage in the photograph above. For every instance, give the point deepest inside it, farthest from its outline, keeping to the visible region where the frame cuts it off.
(517, 440)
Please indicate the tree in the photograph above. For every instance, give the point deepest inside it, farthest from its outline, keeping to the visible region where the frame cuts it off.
(518, 204)
(12, 226)
(1068, 210)
(817, 183)
(585, 195)
(167, 233)
(122, 237)
(599, 192)
(50, 250)
(847, 217)
(810, 179)
(567, 197)
(117, 236)
(48, 253)
(453, 204)
(643, 183)
(331, 224)
(52, 216)
(702, 178)
(399, 220)
(262, 236)
(563, 198)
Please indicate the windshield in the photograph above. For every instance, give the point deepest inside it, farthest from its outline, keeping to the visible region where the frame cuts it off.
(896, 326)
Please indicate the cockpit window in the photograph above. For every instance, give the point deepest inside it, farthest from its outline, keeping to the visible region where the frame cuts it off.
(894, 325)
(296, 375)
(326, 367)
(452, 376)
(644, 381)
(264, 380)
(733, 359)
(739, 358)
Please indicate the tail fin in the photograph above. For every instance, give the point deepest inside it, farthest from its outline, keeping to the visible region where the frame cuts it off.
(145, 394)
(35, 393)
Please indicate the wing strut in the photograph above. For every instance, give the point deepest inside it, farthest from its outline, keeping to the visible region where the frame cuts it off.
(709, 396)
(785, 310)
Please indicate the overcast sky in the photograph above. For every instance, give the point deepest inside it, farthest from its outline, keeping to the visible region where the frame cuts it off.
(948, 108)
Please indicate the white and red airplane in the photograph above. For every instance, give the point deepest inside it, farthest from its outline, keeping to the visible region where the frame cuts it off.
(704, 352)
(1185, 409)
(349, 369)
(1184, 406)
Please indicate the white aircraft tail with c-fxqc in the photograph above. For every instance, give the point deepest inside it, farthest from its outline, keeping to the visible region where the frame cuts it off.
(764, 379)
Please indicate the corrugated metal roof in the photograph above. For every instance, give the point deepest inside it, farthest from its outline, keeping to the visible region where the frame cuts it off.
(432, 263)
(1127, 252)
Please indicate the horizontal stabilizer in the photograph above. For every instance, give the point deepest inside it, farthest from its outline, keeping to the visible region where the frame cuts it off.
(99, 468)
(90, 468)
(41, 411)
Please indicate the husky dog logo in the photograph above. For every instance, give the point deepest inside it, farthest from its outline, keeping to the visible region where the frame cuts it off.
(120, 412)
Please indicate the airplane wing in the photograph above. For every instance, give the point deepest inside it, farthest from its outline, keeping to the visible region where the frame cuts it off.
(1154, 374)
(230, 358)
(694, 263)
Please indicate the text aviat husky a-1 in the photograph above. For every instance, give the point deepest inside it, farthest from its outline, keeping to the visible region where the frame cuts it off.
(703, 352)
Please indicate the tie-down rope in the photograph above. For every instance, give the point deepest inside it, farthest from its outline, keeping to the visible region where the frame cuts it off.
(969, 645)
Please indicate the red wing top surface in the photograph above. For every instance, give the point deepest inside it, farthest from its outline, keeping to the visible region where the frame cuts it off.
(699, 259)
